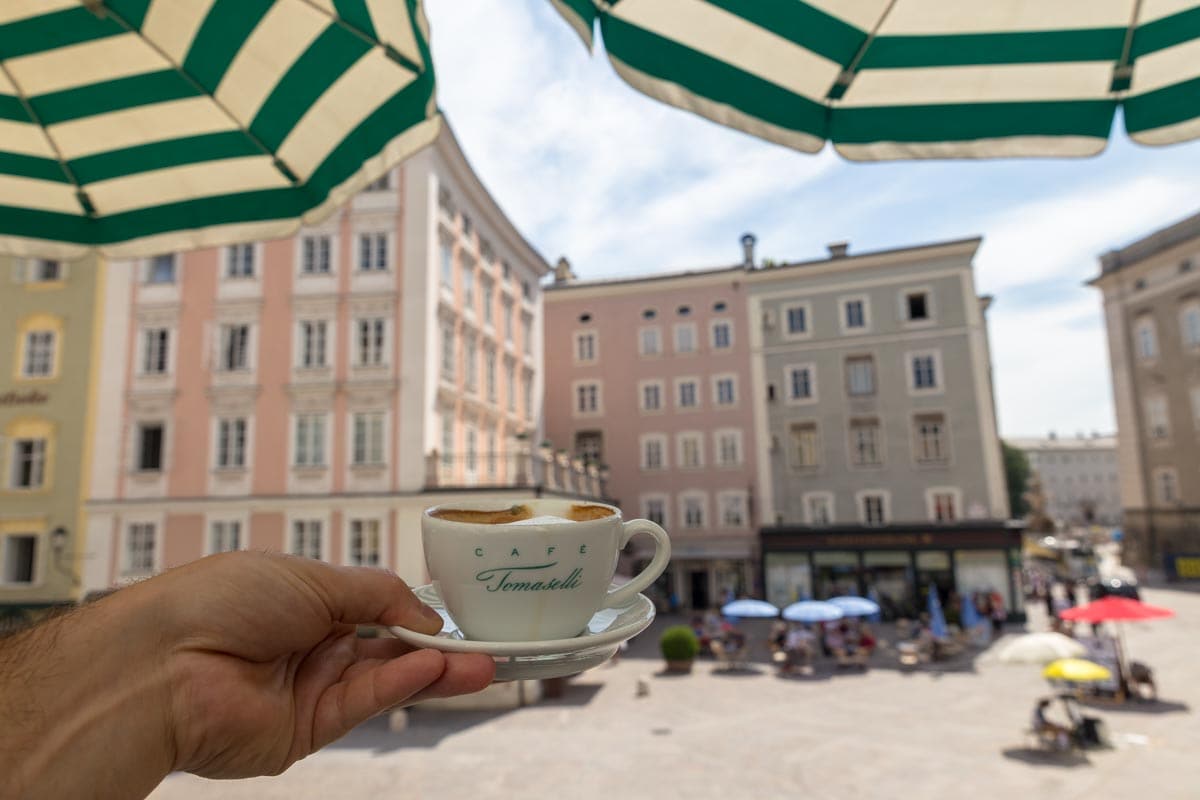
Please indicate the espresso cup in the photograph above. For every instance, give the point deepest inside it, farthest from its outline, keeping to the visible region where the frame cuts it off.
(536, 570)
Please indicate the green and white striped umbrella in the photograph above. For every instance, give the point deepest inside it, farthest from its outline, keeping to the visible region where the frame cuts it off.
(131, 127)
(885, 79)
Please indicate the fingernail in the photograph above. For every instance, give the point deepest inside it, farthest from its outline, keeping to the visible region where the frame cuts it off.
(430, 614)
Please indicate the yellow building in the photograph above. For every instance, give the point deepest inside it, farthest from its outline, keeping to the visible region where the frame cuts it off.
(49, 323)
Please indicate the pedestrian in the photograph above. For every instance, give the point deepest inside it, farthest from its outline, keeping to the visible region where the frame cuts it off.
(999, 614)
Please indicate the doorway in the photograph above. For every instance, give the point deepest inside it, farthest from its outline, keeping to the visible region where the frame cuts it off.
(698, 582)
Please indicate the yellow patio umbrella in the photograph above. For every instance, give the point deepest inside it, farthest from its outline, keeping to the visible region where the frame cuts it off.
(1076, 670)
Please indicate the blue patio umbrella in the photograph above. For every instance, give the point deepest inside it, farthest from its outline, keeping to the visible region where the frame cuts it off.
(812, 611)
(970, 615)
(854, 606)
(759, 609)
(937, 620)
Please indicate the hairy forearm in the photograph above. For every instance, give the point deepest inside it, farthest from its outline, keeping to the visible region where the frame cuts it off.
(83, 705)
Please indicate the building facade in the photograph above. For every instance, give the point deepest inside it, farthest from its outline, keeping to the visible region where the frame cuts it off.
(650, 377)
(313, 394)
(882, 468)
(48, 320)
(1078, 476)
(1151, 291)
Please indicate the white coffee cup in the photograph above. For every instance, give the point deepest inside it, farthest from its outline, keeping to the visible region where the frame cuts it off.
(536, 579)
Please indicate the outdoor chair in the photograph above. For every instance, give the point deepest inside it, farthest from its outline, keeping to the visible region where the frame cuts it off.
(728, 659)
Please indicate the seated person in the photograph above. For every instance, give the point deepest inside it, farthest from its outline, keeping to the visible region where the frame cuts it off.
(835, 643)
(1043, 727)
(799, 646)
(866, 642)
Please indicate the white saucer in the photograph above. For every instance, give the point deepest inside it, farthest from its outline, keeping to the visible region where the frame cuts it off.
(550, 658)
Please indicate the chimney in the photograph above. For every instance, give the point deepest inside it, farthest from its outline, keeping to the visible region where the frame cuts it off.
(563, 272)
(748, 241)
(838, 249)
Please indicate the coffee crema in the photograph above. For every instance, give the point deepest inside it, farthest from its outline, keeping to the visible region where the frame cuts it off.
(580, 512)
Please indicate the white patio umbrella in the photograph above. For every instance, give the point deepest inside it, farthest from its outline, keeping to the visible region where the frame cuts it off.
(1041, 648)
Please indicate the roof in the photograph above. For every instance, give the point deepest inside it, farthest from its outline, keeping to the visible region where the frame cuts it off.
(1157, 242)
(1106, 442)
(849, 259)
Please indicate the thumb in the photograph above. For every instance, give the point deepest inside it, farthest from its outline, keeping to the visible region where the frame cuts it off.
(363, 595)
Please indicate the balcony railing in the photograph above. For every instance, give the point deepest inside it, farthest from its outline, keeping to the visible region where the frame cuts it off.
(526, 467)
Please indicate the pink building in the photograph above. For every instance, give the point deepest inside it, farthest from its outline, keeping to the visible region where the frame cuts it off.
(651, 377)
(312, 394)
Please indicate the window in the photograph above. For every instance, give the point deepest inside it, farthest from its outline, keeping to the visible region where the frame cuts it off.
(818, 508)
(364, 543)
(860, 375)
(510, 384)
(651, 341)
(654, 451)
(373, 252)
(47, 271)
(150, 447)
(587, 398)
(508, 321)
(505, 270)
(20, 555)
(470, 364)
(489, 373)
(806, 445)
(316, 254)
(725, 390)
(448, 355)
(306, 538)
(931, 439)
(39, 354)
(155, 349)
(488, 296)
(28, 464)
(312, 343)
(528, 381)
(1157, 419)
(469, 287)
(368, 439)
(161, 269)
(923, 371)
(722, 335)
(310, 440)
(865, 443)
(1189, 326)
(916, 306)
(693, 511)
(685, 338)
(651, 397)
(224, 536)
(527, 335)
(235, 347)
(688, 396)
(239, 261)
(691, 455)
(139, 547)
(655, 509)
(231, 443)
(447, 440)
(1166, 485)
(472, 456)
(802, 383)
(855, 314)
(527, 291)
(493, 461)
(873, 508)
(733, 509)
(796, 320)
(371, 341)
(380, 184)
(585, 347)
(1194, 394)
(589, 445)
(649, 313)
(1145, 339)
(943, 505)
(728, 445)
(447, 254)
(683, 311)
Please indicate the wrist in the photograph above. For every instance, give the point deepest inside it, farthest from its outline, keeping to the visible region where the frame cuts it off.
(89, 699)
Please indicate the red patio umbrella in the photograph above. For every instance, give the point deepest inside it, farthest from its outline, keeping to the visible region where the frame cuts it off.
(1116, 609)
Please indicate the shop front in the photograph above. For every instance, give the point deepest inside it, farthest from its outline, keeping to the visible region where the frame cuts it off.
(896, 566)
(704, 573)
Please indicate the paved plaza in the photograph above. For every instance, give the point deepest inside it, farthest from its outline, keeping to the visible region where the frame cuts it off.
(949, 732)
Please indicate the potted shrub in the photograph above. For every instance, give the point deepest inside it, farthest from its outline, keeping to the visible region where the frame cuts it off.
(679, 647)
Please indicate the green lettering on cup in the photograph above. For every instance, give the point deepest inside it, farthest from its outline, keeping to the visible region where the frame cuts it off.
(479, 552)
(514, 553)
(582, 549)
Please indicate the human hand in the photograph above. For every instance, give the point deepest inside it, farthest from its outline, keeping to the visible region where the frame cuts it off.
(266, 667)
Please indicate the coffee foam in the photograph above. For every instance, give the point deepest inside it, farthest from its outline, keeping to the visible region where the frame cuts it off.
(544, 519)
(523, 515)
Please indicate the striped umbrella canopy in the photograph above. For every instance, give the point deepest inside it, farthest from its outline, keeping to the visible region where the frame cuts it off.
(132, 127)
(886, 79)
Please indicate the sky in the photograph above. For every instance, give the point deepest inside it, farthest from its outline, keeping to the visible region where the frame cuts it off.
(587, 167)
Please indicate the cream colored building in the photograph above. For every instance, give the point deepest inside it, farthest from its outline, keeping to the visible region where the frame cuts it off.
(1151, 292)
(1079, 477)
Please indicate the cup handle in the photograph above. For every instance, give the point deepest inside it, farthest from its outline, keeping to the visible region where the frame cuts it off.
(662, 554)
